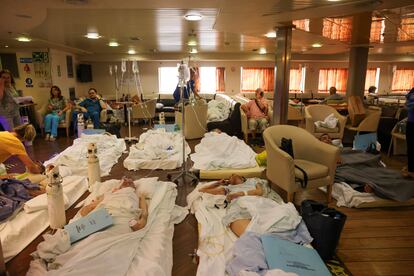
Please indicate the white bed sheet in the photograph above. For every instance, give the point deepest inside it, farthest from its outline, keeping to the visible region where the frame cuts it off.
(215, 240)
(145, 252)
(21, 230)
(156, 149)
(220, 151)
(346, 196)
(109, 148)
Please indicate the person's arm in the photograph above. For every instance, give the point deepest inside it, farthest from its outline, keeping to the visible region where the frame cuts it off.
(30, 165)
(211, 186)
(1, 89)
(102, 104)
(256, 192)
(245, 108)
(142, 221)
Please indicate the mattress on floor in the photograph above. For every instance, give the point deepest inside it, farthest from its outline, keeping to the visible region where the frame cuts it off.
(145, 252)
(226, 173)
(346, 196)
(22, 229)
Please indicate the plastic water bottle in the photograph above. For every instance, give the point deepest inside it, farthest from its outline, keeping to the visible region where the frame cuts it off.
(94, 170)
(55, 201)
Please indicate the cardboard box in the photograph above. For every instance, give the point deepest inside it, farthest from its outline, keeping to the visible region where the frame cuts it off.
(356, 110)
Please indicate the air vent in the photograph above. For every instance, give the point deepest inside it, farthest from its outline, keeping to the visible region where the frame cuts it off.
(76, 2)
(135, 38)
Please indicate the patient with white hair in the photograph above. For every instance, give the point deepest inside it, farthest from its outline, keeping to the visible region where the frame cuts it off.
(122, 203)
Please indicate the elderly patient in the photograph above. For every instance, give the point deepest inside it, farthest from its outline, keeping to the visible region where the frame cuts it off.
(126, 189)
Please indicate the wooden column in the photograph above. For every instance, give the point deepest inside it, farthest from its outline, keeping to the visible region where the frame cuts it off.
(358, 55)
(282, 70)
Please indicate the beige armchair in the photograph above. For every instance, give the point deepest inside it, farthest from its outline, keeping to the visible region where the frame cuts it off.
(195, 120)
(316, 158)
(144, 110)
(40, 117)
(319, 112)
(370, 122)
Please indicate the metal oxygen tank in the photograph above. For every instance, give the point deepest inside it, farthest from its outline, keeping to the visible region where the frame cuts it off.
(55, 201)
(94, 170)
(81, 124)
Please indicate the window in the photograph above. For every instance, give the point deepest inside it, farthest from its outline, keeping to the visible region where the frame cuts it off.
(336, 77)
(402, 80)
(207, 79)
(406, 29)
(377, 29)
(253, 78)
(167, 79)
(337, 28)
(297, 80)
(302, 24)
(372, 78)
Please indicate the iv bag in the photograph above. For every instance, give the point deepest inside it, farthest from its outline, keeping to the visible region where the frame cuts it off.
(116, 68)
(135, 69)
(123, 66)
(110, 70)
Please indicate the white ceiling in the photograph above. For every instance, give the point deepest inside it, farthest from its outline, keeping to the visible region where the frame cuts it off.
(228, 27)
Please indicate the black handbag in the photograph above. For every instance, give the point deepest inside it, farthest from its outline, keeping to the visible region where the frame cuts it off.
(325, 226)
(287, 146)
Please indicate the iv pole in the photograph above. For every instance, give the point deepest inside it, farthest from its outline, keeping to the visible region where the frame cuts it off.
(185, 173)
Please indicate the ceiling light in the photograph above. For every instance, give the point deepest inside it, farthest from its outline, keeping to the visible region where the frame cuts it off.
(270, 35)
(131, 52)
(317, 45)
(92, 35)
(192, 43)
(193, 51)
(6, 46)
(193, 17)
(262, 51)
(24, 39)
(334, 0)
(113, 44)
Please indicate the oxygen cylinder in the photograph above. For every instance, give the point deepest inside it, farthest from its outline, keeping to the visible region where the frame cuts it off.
(81, 124)
(162, 118)
(94, 170)
(55, 201)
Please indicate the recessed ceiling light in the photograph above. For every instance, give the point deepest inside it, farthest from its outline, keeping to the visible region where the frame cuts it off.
(270, 35)
(193, 51)
(193, 17)
(131, 52)
(262, 51)
(92, 35)
(192, 43)
(24, 39)
(113, 44)
(317, 45)
(6, 46)
(334, 0)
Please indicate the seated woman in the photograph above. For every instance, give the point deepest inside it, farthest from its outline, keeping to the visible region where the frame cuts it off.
(11, 145)
(56, 110)
(136, 223)
(234, 187)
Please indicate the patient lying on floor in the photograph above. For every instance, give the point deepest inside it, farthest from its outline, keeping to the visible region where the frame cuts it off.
(127, 185)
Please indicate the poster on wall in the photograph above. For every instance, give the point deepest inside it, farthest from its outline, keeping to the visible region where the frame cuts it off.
(69, 65)
(42, 68)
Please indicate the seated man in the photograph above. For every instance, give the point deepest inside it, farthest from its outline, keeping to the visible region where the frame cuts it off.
(333, 97)
(136, 223)
(234, 187)
(91, 108)
(257, 112)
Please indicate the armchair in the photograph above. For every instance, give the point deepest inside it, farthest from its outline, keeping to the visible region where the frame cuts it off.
(144, 110)
(319, 112)
(370, 122)
(40, 117)
(316, 158)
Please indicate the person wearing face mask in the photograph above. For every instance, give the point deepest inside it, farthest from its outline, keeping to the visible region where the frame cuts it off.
(9, 109)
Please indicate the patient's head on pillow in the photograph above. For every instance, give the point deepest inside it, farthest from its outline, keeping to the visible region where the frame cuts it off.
(127, 183)
(325, 138)
(216, 130)
(236, 179)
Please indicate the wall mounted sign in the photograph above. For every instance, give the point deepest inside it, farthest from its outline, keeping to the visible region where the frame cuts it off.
(26, 60)
(29, 82)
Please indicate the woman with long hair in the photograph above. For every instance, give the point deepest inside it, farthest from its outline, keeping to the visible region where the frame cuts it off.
(9, 109)
(57, 108)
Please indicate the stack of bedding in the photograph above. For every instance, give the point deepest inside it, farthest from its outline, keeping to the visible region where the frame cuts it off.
(218, 151)
(110, 148)
(218, 110)
(157, 149)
